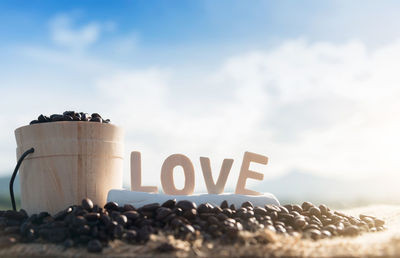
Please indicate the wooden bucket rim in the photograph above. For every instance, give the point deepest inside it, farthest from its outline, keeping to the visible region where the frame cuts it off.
(68, 122)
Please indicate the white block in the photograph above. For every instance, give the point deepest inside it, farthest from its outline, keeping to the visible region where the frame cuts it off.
(139, 199)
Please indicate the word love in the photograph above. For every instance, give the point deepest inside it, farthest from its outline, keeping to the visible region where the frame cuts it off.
(167, 177)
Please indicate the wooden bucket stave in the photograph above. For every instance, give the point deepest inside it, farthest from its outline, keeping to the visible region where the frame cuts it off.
(72, 160)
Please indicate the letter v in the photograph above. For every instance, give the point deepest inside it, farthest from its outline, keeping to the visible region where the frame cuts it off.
(217, 188)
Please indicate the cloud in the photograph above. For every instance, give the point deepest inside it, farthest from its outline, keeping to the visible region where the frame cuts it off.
(64, 33)
(319, 107)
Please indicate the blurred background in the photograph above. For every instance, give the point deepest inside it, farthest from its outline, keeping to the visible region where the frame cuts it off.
(313, 85)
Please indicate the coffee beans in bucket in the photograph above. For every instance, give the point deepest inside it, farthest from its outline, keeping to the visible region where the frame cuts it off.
(71, 116)
(94, 227)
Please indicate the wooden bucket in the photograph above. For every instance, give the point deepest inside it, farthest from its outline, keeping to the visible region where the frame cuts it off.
(72, 160)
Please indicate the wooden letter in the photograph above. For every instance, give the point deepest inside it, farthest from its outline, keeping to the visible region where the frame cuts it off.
(217, 188)
(246, 173)
(136, 175)
(167, 175)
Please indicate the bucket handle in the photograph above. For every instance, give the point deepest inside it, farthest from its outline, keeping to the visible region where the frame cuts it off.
(26, 153)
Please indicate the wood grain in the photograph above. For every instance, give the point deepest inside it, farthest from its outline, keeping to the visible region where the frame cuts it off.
(72, 160)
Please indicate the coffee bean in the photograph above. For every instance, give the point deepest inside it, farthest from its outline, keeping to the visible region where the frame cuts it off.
(311, 226)
(130, 236)
(300, 222)
(84, 116)
(315, 211)
(283, 209)
(111, 226)
(306, 206)
(70, 116)
(351, 231)
(326, 221)
(96, 119)
(212, 220)
(325, 234)
(92, 216)
(242, 213)
(132, 215)
(288, 218)
(379, 222)
(289, 207)
(111, 206)
(79, 221)
(118, 231)
(82, 230)
(190, 214)
(94, 246)
(58, 235)
(143, 234)
(280, 229)
(186, 205)
(228, 212)
(162, 212)
(222, 217)
(224, 204)
(129, 207)
(121, 220)
(216, 209)
(150, 207)
(205, 208)
(247, 204)
(324, 209)
(260, 211)
(94, 115)
(315, 220)
(43, 119)
(187, 229)
(76, 117)
(69, 113)
(56, 117)
(273, 215)
(87, 204)
(315, 234)
(369, 221)
(272, 208)
(169, 204)
(81, 224)
(295, 213)
(23, 214)
(169, 218)
(298, 208)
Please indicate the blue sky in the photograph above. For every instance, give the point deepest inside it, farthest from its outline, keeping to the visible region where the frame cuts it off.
(311, 84)
(208, 26)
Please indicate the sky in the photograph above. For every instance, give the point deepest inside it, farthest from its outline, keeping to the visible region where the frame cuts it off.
(313, 85)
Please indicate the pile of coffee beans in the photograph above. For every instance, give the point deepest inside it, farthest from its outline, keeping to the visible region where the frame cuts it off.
(93, 226)
(71, 116)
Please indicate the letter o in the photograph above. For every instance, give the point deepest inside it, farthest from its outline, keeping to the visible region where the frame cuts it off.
(167, 175)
